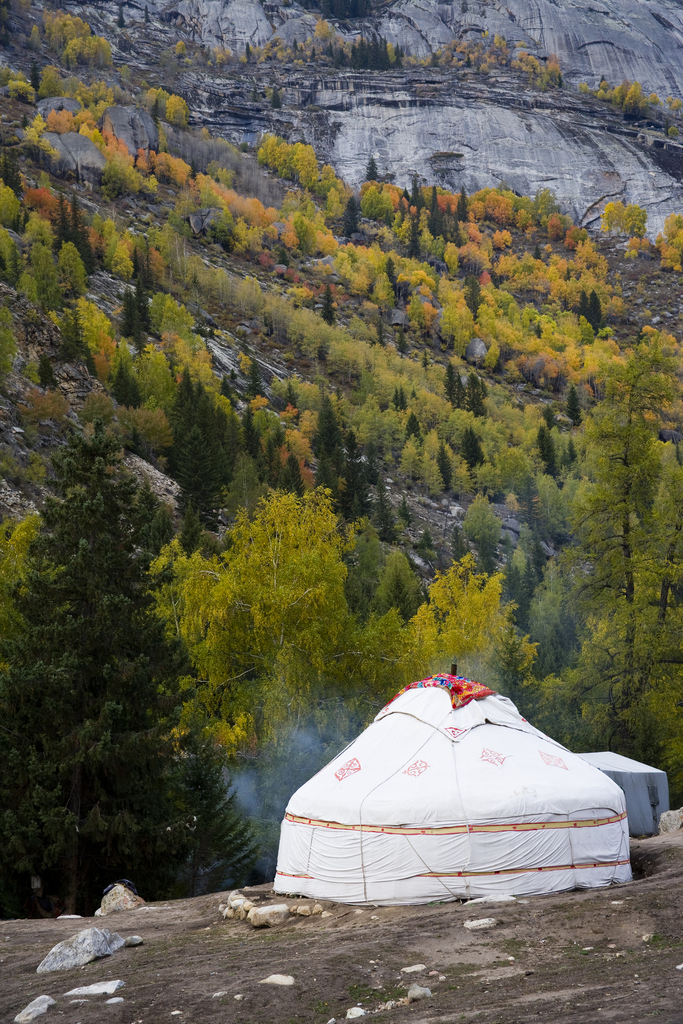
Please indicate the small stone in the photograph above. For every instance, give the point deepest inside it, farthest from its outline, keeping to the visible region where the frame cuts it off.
(480, 925)
(326, 913)
(414, 969)
(648, 937)
(433, 974)
(303, 911)
(358, 911)
(34, 1009)
(217, 995)
(176, 1013)
(417, 992)
(355, 1011)
(228, 913)
(317, 909)
(267, 917)
(679, 967)
(374, 917)
(442, 977)
(278, 979)
(114, 999)
(99, 988)
(617, 903)
(134, 940)
(238, 997)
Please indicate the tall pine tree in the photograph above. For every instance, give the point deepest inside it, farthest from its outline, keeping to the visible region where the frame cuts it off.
(87, 690)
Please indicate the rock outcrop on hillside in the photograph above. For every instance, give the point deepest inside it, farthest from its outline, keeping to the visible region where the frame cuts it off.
(77, 157)
(636, 39)
(465, 130)
(446, 124)
(131, 125)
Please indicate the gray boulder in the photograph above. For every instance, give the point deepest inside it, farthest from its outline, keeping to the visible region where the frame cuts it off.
(512, 524)
(50, 103)
(77, 156)
(34, 1009)
(133, 126)
(476, 351)
(670, 821)
(79, 949)
(201, 221)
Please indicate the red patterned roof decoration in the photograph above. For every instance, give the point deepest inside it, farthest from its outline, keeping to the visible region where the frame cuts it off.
(461, 690)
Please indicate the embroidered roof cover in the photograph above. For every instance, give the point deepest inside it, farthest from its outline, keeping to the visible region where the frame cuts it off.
(461, 690)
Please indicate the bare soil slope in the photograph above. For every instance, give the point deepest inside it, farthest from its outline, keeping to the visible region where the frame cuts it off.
(578, 956)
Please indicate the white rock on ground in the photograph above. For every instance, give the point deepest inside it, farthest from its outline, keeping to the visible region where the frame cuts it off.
(34, 1009)
(671, 821)
(134, 940)
(480, 925)
(413, 970)
(355, 1011)
(267, 917)
(417, 992)
(303, 911)
(99, 988)
(493, 899)
(80, 949)
(114, 999)
(217, 995)
(278, 979)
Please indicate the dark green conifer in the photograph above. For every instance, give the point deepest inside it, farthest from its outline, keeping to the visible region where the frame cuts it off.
(413, 427)
(191, 530)
(470, 448)
(475, 394)
(445, 468)
(350, 222)
(414, 239)
(573, 406)
(254, 383)
(404, 513)
(46, 375)
(384, 516)
(88, 688)
(328, 308)
(290, 477)
(35, 76)
(125, 387)
(594, 316)
(461, 209)
(371, 170)
(546, 449)
(354, 500)
(473, 295)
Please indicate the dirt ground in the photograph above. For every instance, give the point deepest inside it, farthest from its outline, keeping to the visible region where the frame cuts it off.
(605, 955)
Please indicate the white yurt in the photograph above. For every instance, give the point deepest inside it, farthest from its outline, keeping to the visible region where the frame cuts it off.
(450, 793)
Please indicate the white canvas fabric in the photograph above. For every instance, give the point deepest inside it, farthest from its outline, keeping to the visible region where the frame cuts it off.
(431, 803)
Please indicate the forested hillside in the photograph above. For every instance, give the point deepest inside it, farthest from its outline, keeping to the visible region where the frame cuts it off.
(271, 448)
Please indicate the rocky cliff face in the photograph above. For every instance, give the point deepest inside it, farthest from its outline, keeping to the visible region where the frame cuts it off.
(635, 39)
(451, 126)
(461, 131)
